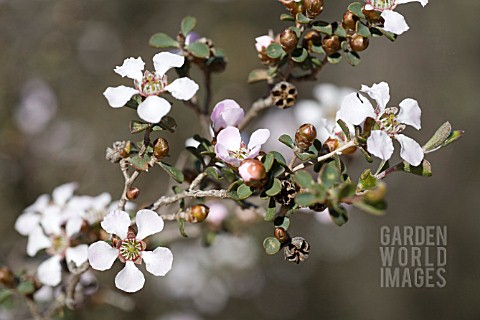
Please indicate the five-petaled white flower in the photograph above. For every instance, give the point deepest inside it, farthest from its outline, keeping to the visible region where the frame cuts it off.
(130, 249)
(394, 21)
(390, 122)
(226, 113)
(231, 149)
(150, 85)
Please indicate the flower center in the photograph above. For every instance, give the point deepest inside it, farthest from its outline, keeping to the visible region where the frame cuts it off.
(60, 243)
(381, 5)
(151, 84)
(130, 249)
(388, 122)
(242, 153)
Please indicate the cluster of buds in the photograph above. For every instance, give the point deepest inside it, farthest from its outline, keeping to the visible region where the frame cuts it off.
(357, 42)
(215, 60)
(310, 8)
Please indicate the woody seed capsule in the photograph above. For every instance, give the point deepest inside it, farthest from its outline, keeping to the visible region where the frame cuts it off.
(288, 40)
(197, 213)
(313, 8)
(7, 278)
(331, 44)
(305, 135)
(281, 234)
(160, 148)
(133, 193)
(349, 21)
(312, 38)
(358, 43)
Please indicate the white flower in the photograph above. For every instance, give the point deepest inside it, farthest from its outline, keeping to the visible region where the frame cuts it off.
(150, 85)
(262, 42)
(390, 122)
(394, 21)
(130, 249)
(231, 149)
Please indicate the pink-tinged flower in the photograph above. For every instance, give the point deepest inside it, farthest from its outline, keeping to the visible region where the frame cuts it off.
(226, 113)
(394, 21)
(389, 121)
(130, 249)
(231, 149)
(262, 42)
(150, 85)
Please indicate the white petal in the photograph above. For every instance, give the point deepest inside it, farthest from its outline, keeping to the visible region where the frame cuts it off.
(229, 138)
(379, 92)
(380, 144)
(131, 68)
(37, 240)
(117, 222)
(130, 279)
(355, 109)
(153, 109)
(39, 205)
(159, 261)
(73, 226)
(182, 88)
(410, 150)
(78, 255)
(52, 221)
(64, 192)
(101, 255)
(258, 138)
(118, 96)
(262, 42)
(410, 113)
(394, 22)
(148, 223)
(309, 111)
(50, 271)
(423, 2)
(164, 61)
(26, 222)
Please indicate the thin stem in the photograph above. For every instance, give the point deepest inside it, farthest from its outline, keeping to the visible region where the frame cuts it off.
(257, 107)
(385, 173)
(166, 200)
(324, 157)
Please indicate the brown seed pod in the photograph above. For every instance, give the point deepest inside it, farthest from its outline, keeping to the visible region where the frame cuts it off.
(305, 136)
(7, 277)
(373, 15)
(313, 8)
(284, 95)
(160, 148)
(297, 250)
(197, 213)
(331, 44)
(286, 197)
(133, 193)
(288, 40)
(281, 234)
(358, 43)
(311, 38)
(349, 21)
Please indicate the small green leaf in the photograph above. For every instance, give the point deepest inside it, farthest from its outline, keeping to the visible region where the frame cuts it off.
(346, 190)
(305, 199)
(326, 28)
(318, 49)
(302, 19)
(303, 179)
(329, 174)
(282, 222)
(299, 55)
(275, 188)
(377, 209)
(244, 191)
(26, 287)
(161, 40)
(439, 138)
(363, 30)
(287, 140)
(271, 210)
(5, 297)
(366, 181)
(367, 155)
(198, 49)
(297, 31)
(356, 9)
(212, 172)
(258, 75)
(287, 17)
(268, 161)
(181, 227)
(138, 162)
(334, 58)
(188, 23)
(339, 215)
(229, 174)
(423, 169)
(389, 35)
(173, 172)
(279, 158)
(341, 32)
(271, 245)
(275, 51)
(353, 58)
(167, 123)
(138, 126)
(344, 128)
(454, 136)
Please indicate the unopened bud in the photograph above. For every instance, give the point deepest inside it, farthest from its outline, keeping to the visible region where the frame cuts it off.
(288, 40)
(377, 194)
(293, 6)
(281, 234)
(313, 8)
(305, 135)
(331, 44)
(349, 21)
(160, 148)
(7, 277)
(373, 15)
(252, 172)
(197, 213)
(125, 152)
(358, 43)
(133, 193)
(312, 38)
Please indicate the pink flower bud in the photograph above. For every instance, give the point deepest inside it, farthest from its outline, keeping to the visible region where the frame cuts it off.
(226, 113)
(252, 172)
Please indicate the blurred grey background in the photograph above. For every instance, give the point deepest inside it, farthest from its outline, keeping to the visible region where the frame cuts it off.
(57, 57)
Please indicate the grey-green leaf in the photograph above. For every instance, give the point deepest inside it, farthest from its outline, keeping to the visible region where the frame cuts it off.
(271, 245)
(303, 179)
(275, 51)
(439, 138)
(173, 172)
(188, 23)
(305, 199)
(198, 49)
(287, 140)
(138, 162)
(275, 188)
(244, 191)
(162, 40)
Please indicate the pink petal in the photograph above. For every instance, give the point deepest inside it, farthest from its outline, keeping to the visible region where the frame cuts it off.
(130, 279)
(258, 138)
(101, 255)
(159, 261)
(229, 138)
(148, 223)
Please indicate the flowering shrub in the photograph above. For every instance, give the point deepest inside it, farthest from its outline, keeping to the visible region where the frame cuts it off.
(79, 232)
